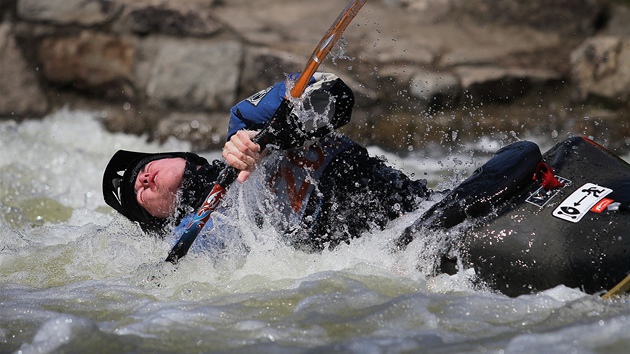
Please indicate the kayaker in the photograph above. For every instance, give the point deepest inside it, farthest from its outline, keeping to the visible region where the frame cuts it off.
(324, 189)
(327, 188)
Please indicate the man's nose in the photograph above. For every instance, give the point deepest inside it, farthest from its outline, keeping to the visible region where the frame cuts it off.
(144, 179)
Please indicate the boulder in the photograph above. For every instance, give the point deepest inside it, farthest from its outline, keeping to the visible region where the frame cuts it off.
(90, 61)
(494, 83)
(195, 74)
(600, 70)
(401, 57)
(170, 18)
(572, 17)
(618, 23)
(20, 93)
(203, 131)
(64, 12)
(434, 88)
(263, 67)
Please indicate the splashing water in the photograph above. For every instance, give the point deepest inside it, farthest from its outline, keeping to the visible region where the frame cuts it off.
(77, 277)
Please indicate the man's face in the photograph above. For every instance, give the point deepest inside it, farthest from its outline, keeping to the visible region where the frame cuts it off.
(157, 184)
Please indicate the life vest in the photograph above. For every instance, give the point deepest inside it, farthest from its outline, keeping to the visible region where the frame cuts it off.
(295, 174)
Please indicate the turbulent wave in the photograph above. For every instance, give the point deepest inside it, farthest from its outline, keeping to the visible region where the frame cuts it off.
(76, 277)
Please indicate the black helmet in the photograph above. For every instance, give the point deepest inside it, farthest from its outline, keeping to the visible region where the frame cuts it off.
(120, 176)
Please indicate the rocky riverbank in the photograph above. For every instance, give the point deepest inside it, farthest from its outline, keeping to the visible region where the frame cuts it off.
(423, 70)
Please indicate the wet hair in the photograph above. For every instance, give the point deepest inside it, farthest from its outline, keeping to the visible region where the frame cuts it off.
(120, 176)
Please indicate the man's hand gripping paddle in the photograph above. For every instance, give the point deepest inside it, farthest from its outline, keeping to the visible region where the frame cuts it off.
(268, 134)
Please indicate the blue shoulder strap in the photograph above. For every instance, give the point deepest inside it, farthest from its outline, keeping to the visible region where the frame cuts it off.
(254, 111)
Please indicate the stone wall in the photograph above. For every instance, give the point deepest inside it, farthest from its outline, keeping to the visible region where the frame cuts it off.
(418, 67)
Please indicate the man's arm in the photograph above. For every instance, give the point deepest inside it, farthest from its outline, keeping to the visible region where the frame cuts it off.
(328, 106)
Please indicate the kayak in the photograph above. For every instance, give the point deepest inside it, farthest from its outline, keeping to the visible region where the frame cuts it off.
(534, 221)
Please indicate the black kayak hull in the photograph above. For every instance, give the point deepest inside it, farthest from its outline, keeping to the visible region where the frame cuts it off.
(522, 235)
(577, 235)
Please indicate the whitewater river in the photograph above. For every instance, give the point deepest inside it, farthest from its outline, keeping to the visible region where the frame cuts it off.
(77, 278)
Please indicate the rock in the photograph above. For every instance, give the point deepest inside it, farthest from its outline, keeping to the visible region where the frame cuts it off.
(20, 93)
(399, 56)
(81, 12)
(601, 70)
(171, 19)
(195, 74)
(90, 61)
(430, 10)
(565, 16)
(203, 131)
(493, 83)
(263, 67)
(618, 23)
(433, 88)
(469, 44)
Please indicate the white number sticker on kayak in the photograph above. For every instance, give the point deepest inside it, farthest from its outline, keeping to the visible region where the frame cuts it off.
(580, 202)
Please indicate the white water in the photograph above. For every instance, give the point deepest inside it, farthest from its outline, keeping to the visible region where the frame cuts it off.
(77, 277)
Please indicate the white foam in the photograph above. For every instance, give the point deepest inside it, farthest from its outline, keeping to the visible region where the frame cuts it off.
(54, 333)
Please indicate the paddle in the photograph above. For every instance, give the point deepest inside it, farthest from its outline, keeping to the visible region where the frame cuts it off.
(618, 289)
(267, 134)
